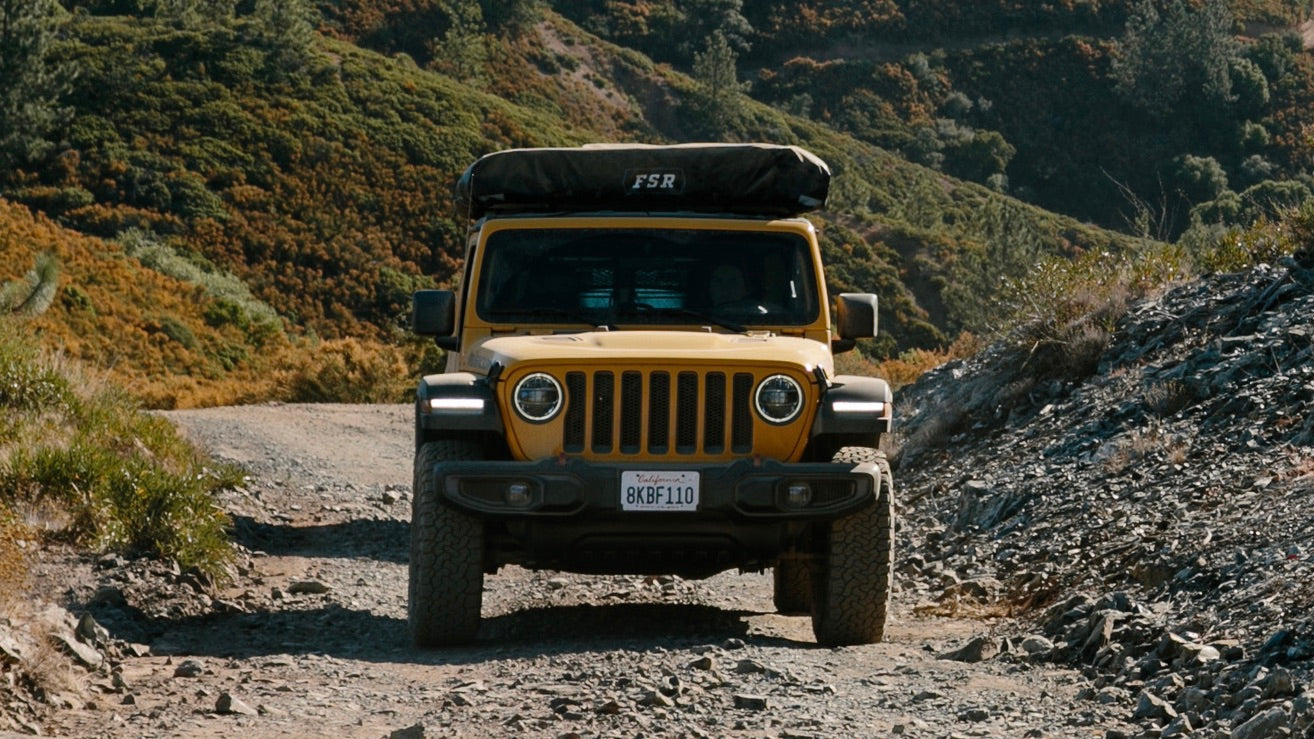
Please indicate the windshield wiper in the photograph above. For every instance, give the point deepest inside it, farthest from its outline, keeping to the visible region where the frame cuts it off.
(548, 310)
(700, 316)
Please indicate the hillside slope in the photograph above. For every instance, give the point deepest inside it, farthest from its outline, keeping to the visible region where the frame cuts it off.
(1153, 520)
(1157, 118)
(194, 339)
(324, 181)
(154, 334)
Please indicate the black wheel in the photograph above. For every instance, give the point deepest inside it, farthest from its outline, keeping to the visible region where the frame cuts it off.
(447, 551)
(792, 591)
(851, 585)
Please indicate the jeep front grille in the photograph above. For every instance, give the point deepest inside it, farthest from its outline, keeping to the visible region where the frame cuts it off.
(707, 413)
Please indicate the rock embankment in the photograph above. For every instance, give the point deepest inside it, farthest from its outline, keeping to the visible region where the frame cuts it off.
(1153, 523)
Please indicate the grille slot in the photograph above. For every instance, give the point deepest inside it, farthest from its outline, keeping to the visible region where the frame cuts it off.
(659, 413)
(631, 418)
(576, 407)
(686, 413)
(714, 413)
(604, 400)
(741, 428)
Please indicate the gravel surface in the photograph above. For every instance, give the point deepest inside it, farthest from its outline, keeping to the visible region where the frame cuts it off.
(311, 637)
(1129, 554)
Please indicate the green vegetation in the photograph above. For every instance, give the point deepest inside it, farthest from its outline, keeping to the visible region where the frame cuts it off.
(32, 295)
(1061, 315)
(461, 52)
(81, 462)
(1095, 110)
(1168, 56)
(323, 182)
(718, 91)
(32, 79)
(298, 182)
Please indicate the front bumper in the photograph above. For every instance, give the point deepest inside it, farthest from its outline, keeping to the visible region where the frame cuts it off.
(749, 491)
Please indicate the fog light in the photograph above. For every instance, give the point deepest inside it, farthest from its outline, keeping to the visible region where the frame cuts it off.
(798, 494)
(518, 494)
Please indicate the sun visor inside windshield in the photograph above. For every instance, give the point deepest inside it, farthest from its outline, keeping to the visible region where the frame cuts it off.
(758, 179)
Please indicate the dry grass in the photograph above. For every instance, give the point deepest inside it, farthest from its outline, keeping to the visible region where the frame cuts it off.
(47, 670)
(1301, 467)
(185, 343)
(1167, 398)
(1143, 444)
(80, 461)
(349, 371)
(907, 367)
(14, 547)
(966, 608)
(1063, 313)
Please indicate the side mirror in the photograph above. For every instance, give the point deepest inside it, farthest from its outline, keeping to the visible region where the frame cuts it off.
(433, 313)
(855, 318)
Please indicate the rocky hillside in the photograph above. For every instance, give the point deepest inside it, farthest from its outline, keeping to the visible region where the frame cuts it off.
(1151, 523)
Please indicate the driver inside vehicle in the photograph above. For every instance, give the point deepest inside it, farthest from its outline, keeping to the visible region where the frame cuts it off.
(730, 292)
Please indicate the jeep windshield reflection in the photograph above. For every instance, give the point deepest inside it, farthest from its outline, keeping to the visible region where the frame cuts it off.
(669, 277)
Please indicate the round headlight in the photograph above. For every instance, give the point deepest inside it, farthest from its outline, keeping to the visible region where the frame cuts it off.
(779, 399)
(538, 397)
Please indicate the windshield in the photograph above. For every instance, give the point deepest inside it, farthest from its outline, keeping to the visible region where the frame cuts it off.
(612, 277)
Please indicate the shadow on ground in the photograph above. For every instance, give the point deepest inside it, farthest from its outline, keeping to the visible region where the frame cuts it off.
(333, 630)
(385, 540)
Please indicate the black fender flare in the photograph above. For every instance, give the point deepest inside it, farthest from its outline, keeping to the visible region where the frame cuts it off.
(849, 407)
(455, 402)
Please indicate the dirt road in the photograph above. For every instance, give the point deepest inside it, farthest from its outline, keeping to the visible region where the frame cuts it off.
(311, 639)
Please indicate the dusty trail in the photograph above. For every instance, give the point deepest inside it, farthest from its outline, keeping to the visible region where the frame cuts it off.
(311, 637)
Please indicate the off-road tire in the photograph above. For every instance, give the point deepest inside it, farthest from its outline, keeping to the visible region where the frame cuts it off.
(792, 588)
(447, 550)
(851, 584)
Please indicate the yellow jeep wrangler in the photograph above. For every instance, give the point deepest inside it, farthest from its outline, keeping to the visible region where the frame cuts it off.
(641, 380)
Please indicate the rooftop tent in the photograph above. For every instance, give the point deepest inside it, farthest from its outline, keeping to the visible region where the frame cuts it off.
(756, 179)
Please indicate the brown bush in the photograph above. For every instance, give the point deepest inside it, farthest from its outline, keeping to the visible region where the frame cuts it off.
(349, 371)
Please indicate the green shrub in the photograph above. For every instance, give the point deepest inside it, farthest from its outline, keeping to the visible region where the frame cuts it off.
(174, 329)
(25, 384)
(348, 371)
(1263, 242)
(55, 199)
(192, 199)
(1063, 312)
(34, 293)
(230, 356)
(1198, 178)
(75, 299)
(233, 302)
(118, 478)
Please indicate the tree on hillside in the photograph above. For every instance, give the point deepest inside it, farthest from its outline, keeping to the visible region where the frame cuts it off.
(702, 18)
(508, 15)
(32, 81)
(287, 29)
(719, 88)
(1183, 52)
(461, 53)
(195, 13)
(1198, 178)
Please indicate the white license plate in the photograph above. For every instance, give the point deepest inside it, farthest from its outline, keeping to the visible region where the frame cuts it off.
(659, 491)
